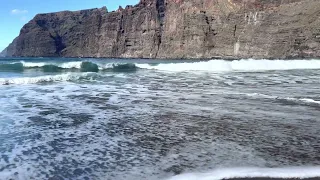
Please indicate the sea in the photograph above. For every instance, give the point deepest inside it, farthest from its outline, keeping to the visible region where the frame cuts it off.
(143, 119)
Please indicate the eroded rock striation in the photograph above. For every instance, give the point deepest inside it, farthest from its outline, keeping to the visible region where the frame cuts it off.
(178, 29)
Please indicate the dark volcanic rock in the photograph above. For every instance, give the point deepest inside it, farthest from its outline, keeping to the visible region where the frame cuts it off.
(3, 53)
(10, 50)
(178, 29)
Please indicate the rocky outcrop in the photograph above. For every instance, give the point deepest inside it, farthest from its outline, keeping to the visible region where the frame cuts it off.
(178, 29)
(3, 53)
(11, 50)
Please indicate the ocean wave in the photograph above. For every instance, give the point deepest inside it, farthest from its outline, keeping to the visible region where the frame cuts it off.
(236, 65)
(127, 67)
(211, 66)
(12, 67)
(310, 101)
(229, 173)
(71, 65)
(33, 64)
(290, 99)
(85, 66)
(47, 79)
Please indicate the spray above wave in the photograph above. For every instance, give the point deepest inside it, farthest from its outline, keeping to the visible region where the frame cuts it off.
(282, 173)
(237, 65)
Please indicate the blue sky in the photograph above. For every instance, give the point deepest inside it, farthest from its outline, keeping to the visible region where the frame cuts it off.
(15, 13)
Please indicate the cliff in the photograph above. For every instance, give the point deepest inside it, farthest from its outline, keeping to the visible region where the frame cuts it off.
(178, 29)
(11, 49)
(3, 53)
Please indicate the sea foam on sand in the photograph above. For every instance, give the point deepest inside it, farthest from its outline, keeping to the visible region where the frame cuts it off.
(231, 173)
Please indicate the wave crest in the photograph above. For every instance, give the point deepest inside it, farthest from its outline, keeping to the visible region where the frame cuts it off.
(128, 67)
(236, 65)
(89, 67)
(48, 79)
(294, 172)
(208, 66)
(16, 67)
(85, 66)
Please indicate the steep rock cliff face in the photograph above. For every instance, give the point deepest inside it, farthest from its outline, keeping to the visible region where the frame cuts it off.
(11, 49)
(241, 29)
(3, 53)
(178, 29)
(130, 32)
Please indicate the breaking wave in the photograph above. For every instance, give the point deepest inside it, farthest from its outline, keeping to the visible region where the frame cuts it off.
(12, 67)
(128, 67)
(85, 66)
(48, 79)
(230, 173)
(236, 65)
(288, 99)
(213, 66)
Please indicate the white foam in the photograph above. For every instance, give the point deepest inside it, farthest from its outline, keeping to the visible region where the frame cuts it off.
(66, 65)
(237, 65)
(71, 65)
(108, 66)
(33, 64)
(262, 95)
(304, 100)
(310, 101)
(42, 79)
(114, 99)
(293, 172)
(213, 65)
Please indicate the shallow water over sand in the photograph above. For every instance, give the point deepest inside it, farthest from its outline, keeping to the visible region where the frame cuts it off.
(155, 119)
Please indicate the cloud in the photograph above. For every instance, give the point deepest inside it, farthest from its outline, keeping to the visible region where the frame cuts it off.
(22, 14)
(18, 11)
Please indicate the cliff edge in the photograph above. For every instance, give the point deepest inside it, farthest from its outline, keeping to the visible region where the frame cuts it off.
(178, 29)
(3, 53)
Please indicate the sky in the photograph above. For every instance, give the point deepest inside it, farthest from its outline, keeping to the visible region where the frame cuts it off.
(15, 13)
